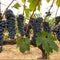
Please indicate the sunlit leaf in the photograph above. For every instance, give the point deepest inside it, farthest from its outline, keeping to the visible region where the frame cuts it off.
(58, 3)
(39, 7)
(23, 1)
(27, 12)
(17, 6)
(32, 5)
(48, 1)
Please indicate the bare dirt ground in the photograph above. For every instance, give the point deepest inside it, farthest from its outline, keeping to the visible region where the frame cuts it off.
(11, 52)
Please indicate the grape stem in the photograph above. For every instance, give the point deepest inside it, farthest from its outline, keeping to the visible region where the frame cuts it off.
(49, 9)
(32, 15)
(56, 11)
(8, 7)
(51, 5)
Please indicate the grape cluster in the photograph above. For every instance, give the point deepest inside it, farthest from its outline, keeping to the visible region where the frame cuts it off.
(57, 31)
(36, 23)
(46, 27)
(57, 20)
(8, 14)
(39, 20)
(1, 31)
(36, 26)
(10, 23)
(2, 26)
(20, 20)
(33, 24)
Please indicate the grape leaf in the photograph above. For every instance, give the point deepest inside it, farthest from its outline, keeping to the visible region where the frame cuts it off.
(32, 5)
(27, 12)
(47, 41)
(53, 45)
(17, 6)
(58, 3)
(39, 41)
(23, 44)
(23, 1)
(39, 7)
(46, 46)
(48, 1)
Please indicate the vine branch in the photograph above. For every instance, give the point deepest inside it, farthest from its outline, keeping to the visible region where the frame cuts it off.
(51, 5)
(8, 6)
(49, 9)
(32, 15)
(56, 11)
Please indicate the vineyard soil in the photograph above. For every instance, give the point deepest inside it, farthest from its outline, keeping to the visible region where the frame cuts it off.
(11, 52)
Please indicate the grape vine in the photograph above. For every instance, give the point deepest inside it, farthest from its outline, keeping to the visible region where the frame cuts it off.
(42, 33)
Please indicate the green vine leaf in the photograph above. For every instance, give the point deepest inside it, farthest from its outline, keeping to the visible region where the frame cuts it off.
(17, 6)
(58, 3)
(23, 1)
(39, 41)
(29, 1)
(23, 44)
(53, 45)
(48, 1)
(32, 5)
(27, 11)
(47, 41)
(46, 47)
(38, 7)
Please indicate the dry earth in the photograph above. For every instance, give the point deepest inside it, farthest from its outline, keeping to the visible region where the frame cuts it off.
(11, 52)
